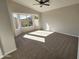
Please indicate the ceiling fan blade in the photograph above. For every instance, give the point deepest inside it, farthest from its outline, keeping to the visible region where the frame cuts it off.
(46, 1)
(46, 4)
(37, 0)
(41, 0)
(36, 4)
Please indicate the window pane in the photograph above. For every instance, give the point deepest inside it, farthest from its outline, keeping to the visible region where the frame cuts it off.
(26, 20)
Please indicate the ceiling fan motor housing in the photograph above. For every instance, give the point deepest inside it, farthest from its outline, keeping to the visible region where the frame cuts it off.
(43, 2)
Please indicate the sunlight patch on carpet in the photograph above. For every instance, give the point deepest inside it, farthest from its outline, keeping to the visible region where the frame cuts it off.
(34, 38)
(41, 33)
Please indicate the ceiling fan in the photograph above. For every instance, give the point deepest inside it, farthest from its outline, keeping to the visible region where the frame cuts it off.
(42, 2)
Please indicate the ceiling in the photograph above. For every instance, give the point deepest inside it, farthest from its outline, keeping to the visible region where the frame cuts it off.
(53, 4)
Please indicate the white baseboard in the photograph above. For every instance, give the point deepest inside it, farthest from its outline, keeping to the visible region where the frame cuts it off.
(68, 34)
(7, 53)
(10, 52)
(78, 49)
(1, 56)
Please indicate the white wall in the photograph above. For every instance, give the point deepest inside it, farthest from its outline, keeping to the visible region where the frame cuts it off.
(6, 34)
(18, 8)
(64, 20)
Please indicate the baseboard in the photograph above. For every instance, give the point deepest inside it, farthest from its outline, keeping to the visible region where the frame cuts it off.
(78, 49)
(1, 56)
(68, 34)
(7, 53)
(10, 52)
